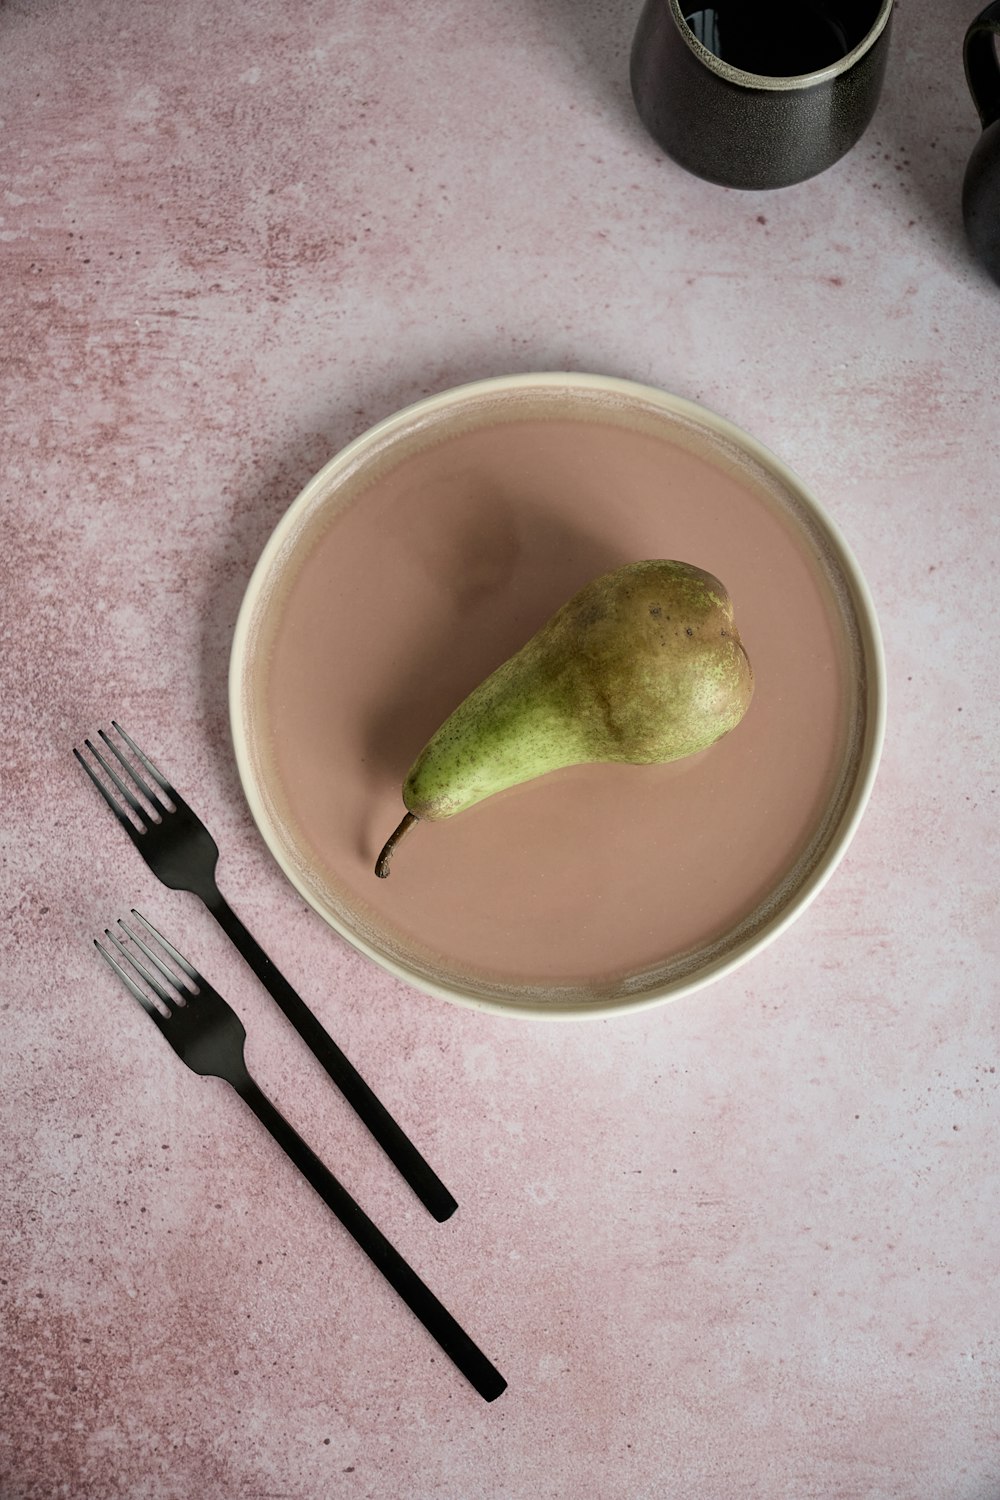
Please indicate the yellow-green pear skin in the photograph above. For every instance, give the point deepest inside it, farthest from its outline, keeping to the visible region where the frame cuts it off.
(643, 665)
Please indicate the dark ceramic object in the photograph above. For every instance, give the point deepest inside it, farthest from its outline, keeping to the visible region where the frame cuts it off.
(755, 130)
(981, 189)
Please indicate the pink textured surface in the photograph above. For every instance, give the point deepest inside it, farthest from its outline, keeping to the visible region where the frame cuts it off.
(742, 1245)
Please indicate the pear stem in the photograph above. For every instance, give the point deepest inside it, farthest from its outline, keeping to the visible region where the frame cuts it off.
(382, 863)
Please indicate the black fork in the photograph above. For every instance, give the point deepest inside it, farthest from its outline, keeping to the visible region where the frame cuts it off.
(181, 852)
(209, 1037)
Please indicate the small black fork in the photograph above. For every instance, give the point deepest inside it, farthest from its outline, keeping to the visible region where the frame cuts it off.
(209, 1037)
(181, 853)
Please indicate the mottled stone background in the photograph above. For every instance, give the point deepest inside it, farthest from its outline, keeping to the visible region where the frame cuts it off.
(744, 1245)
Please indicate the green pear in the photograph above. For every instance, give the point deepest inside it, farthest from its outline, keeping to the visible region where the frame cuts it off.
(644, 665)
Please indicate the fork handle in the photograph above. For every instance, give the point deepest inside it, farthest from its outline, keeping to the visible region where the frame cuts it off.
(394, 1142)
(435, 1317)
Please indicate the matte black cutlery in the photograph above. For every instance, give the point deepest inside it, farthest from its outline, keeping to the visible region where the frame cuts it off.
(181, 852)
(209, 1037)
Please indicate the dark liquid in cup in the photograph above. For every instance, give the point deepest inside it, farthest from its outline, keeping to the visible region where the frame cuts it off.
(780, 39)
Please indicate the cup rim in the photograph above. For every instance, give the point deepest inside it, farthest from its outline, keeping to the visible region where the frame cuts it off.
(777, 83)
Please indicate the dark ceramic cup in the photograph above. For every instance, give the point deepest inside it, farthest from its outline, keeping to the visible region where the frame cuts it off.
(759, 93)
(981, 188)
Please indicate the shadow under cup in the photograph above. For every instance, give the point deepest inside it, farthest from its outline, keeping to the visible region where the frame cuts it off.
(750, 94)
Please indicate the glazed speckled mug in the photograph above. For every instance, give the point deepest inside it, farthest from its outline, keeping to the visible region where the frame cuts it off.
(752, 94)
(981, 187)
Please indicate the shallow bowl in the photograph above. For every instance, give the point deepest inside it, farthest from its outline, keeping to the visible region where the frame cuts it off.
(430, 549)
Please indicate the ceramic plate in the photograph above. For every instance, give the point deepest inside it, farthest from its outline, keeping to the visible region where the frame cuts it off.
(428, 551)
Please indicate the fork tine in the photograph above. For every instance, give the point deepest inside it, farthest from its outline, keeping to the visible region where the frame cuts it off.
(157, 776)
(146, 791)
(178, 958)
(154, 984)
(155, 958)
(125, 821)
(130, 984)
(125, 790)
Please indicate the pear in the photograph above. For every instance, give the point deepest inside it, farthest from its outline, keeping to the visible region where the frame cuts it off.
(644, 665)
